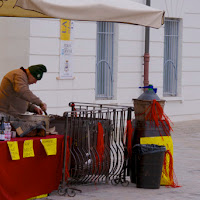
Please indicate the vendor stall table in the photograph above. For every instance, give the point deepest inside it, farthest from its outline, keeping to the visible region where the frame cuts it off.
(33, 176)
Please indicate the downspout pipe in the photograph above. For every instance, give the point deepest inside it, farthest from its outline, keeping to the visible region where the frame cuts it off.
(146, 53)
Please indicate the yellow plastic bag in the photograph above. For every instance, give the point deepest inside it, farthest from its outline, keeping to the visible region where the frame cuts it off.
(168, 143)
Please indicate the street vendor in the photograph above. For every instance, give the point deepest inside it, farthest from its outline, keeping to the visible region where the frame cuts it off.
(15, 95)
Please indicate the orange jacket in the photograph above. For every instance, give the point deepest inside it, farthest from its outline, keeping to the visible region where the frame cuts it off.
(15, 96)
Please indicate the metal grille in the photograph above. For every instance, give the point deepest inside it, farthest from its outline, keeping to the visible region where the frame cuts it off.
(84, 163)
(104, 63)
(171, 47)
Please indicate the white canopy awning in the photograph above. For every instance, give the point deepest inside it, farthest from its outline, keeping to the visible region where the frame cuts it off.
(124, 11)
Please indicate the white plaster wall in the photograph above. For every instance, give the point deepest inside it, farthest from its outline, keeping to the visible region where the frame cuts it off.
(44, 48)
(186, 106)
(14, 44)
(130, 63)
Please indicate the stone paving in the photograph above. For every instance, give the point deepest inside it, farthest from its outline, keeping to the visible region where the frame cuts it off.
(186, 140)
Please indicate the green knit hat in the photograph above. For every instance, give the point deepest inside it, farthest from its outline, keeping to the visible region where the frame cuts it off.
(37, 71)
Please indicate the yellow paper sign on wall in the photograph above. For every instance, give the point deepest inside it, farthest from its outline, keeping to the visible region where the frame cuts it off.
(50, 146)
(28, 149)
(14, 150)
(65, 29)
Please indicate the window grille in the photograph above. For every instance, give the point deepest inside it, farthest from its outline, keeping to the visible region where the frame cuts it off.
(171, 47)
(104, 62)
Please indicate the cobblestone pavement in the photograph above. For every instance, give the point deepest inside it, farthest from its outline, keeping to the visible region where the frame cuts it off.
(186, 140)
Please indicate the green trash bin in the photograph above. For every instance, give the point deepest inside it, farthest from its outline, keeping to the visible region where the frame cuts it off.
(148, 165)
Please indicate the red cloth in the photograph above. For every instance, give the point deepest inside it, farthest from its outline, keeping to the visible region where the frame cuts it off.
(100, 145)
(29, 177)
(129, 137)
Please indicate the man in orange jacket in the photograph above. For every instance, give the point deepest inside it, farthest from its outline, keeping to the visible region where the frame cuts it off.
(15, 95)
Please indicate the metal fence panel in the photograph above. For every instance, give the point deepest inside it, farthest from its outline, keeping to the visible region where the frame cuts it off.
(95, 144)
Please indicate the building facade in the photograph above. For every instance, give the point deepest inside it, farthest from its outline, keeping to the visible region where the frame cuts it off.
(107, 59)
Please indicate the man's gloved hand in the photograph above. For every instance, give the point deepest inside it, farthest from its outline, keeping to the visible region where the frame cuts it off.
(43, 106)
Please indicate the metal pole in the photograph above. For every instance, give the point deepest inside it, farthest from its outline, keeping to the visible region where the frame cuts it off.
(146, 53)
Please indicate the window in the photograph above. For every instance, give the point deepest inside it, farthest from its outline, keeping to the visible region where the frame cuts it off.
(104, 62)
(171, 55)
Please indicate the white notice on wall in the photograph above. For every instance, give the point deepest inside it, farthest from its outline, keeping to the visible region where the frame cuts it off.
(66, 49)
